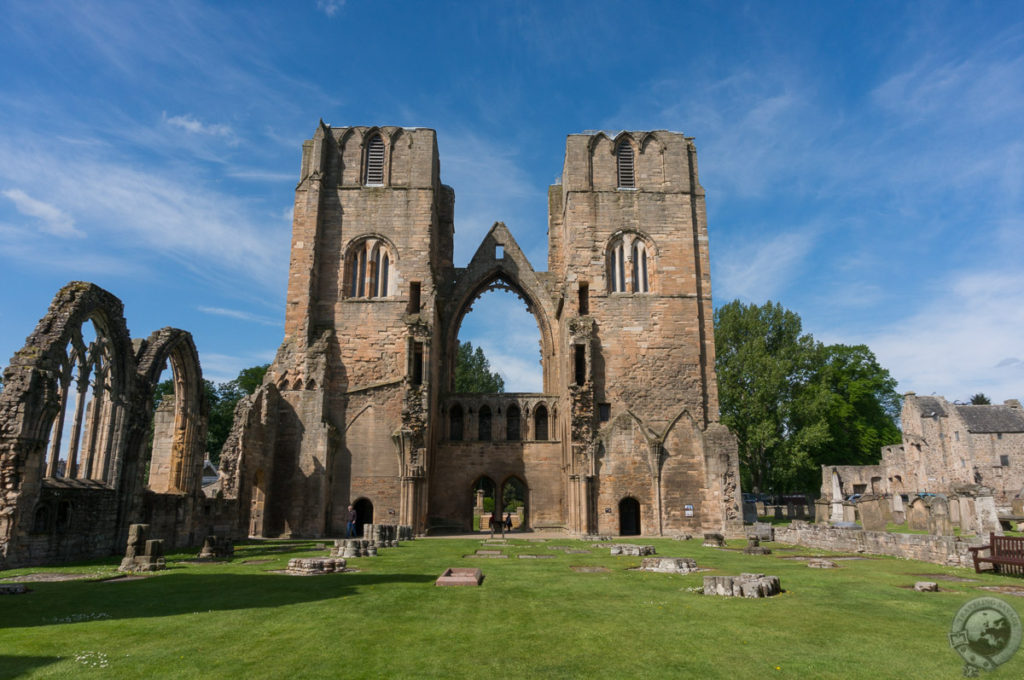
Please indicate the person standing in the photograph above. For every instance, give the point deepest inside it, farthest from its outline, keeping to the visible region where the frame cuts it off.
(350, 531)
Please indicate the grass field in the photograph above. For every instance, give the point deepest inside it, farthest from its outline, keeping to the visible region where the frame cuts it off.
(531, 618)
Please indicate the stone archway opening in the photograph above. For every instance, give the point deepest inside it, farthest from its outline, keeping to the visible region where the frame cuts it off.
(364, 514)
(514, 502)
(499, 323)
(629, 517)
(484, 499)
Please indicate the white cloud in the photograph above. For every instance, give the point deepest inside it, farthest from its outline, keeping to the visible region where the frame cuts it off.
(240, 315)
(759, 270)
(52, 219)
(965, 339)
(330, 7)
(225, 367)
(215, 234)
(193, 126)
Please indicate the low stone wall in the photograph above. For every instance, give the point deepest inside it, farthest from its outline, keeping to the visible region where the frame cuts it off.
(945, 550)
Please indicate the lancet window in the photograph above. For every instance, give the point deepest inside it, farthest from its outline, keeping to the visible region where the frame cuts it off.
(370, 265)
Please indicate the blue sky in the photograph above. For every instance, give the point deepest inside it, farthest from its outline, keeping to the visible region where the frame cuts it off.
(864, 162)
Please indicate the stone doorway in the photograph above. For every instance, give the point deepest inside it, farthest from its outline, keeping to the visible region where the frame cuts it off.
(629, 517)
(364, 514)
(514, 502)
(484, 499)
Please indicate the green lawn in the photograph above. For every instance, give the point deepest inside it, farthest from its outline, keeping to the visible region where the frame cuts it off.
(531, 618)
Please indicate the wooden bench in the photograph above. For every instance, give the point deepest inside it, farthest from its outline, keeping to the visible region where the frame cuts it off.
(1006, 554)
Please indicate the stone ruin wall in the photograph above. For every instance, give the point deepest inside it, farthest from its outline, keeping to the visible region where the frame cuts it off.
(80, 506)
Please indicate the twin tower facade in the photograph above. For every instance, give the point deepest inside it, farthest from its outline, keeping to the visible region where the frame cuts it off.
(359, 408)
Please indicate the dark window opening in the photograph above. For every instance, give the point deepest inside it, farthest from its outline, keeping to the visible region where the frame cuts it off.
(540, 423)
(604, 412)
(375, 160)
(512, 424)
(417, 363)
(414, 297)
(627, 178)
(455, 423)
(42, 520)
(581, 365)
(64, 516)
(484, 424)
(584, 302)
(1004, 461)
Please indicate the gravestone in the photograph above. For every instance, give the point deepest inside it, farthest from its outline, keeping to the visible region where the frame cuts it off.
(938, 517)
(749, 513)
(987, 517)
(954, 510)
(869, 507)
(821, 511)
(917, 515)
(899, 510)
(968, 518)
(849, 512)
(764, 531)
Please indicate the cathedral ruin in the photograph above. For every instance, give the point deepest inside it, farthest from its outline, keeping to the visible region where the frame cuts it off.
(359, 408)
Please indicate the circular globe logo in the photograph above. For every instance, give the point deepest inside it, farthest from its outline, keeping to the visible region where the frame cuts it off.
(986, 632)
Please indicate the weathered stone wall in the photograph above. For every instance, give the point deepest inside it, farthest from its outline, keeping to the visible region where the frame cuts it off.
(365, 374)
(946, 550)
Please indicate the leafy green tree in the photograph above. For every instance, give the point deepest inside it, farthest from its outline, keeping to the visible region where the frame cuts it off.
(473, 372)
(795, 404)
(980, 399)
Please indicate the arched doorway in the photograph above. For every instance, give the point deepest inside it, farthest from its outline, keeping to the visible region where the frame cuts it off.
(484, 496)
(364, 514)
(629, 517)
(513, 502)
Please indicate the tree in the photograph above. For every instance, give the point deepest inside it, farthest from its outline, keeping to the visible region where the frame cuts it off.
(980, 399)
(473, 372)
(795, 404)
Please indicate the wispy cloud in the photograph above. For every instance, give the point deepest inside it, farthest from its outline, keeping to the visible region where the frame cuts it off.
(194, 126)
(156, 211)
(761, 268)
(52, 219)
(966, 338)
(224, 367)
(330, 7)
(240, 315)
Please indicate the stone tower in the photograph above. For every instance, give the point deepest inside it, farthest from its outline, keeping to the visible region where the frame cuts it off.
(359, 408)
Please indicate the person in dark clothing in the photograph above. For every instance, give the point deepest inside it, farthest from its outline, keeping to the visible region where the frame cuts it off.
(508, 521)
(350, 531)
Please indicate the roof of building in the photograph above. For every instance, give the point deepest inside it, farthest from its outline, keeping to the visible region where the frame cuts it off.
(992, 418)
(931, 406)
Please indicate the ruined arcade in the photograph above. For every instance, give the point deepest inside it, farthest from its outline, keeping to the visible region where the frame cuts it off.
(358, 406)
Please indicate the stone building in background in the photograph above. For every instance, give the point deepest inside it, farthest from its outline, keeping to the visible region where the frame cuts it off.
(358, 406)
(947, 449)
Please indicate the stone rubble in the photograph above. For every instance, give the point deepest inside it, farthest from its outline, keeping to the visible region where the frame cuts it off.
(744, 585)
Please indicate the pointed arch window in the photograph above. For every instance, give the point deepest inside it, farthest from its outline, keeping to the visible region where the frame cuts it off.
(375, 161)
(455, 423)
(512, 424)
(624, 156)
(629, 264)
(371, 269)
(540, 423)
(484, 424)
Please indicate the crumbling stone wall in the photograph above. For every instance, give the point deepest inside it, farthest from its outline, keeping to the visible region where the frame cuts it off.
(80, 506)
